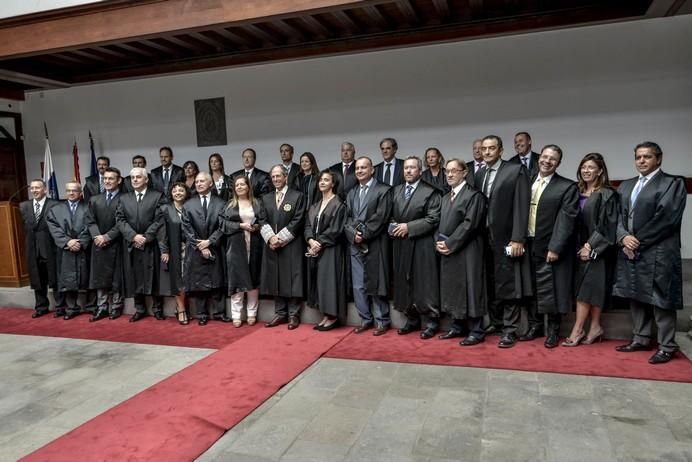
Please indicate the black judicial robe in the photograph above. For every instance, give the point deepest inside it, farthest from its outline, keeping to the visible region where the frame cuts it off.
(326, 273)
(416, 263)
(463, 290)
(141, 266)
(508, 217)
(655, 277)
(242, 273)
(309, 188)
(106, 266)
(202, 274)
(282, 269)
(597, 225)
(225, 192)
(439, 181)
(555, 217)
(372, 218)
(171, 240)
(39, 242)
(72, 267)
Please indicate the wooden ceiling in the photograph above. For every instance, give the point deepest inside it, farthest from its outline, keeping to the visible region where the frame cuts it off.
(122, 39)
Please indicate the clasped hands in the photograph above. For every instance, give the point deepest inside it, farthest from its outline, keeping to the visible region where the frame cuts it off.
(630, 244)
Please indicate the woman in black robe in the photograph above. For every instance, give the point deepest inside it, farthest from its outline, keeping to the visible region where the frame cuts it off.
(171, 241)
(244, 246)
(308, 178)
(324, 235)
(596, 230)
(435, 174)
(222, 182)
(191, 169)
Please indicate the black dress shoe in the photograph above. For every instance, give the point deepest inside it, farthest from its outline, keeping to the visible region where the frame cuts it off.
(632, 347)
(507, 341)
(159, 315)
(450, 334)
(427, 333)
(470, 341)
(493, 330)
(293, 322)
(69, 315)
(552, 341)
(222, 318)
(114, 315)
(661, 357)
(59, 314)
(407, 329)
(326, 327)
(38, 313)
(531, 334)
(99, 314)
(276, 321)
(137, 316)
(203, 321)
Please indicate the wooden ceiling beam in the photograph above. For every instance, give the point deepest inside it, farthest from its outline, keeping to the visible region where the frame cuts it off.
(136, 50)
(315, 26)
(408, 12)
(376, 17)
(111, 52)
(442, 8)
(169, 50)
(264, 37)
(233, 38)
(88, 54)
(214, 44)
(346, 21)
(291, 33)
(182, 44)
(146, 19)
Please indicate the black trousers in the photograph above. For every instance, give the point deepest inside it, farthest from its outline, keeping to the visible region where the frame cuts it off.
(141, 306)
(287, 306)
(208, 302)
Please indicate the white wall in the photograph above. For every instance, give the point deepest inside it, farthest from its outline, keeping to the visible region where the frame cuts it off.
(602, 88)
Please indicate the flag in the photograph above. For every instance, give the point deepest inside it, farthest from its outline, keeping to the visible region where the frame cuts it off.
(94, 170)
(75, 162)
(49, 171)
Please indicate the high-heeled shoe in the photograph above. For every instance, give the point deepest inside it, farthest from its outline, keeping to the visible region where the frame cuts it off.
(182, 317)
(570, 342)
(237, 323)
(251, 320)
(594, 338)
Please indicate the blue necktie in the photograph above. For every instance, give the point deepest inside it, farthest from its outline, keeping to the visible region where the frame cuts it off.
(638, 189)
(409, 192)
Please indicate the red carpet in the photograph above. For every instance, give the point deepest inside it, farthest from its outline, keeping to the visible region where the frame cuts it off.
(149, 331)
(182, 416)
(597, 359)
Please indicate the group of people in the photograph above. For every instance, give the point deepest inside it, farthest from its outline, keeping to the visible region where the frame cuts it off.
(476, 241)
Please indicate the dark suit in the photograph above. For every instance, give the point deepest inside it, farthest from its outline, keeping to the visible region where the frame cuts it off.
(533, 164)
(141, 266)
(92, 187)
(294, 176)
(397, 177)
(40, 254)
(471, 175)
(176, 175)
(653, 280)
(347, 183)
(259, 180)
(204, 278)
(370, 270)
(556, 212)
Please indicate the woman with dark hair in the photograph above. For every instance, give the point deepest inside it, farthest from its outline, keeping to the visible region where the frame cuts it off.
(434, 174)
(324, 236)
(308, 178)
(190, 169)
(596, 230)
(222, 181)
(244, 245)
(172, 246)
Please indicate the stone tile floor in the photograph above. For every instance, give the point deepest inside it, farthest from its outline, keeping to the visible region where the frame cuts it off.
(342, 410)
(48, 386)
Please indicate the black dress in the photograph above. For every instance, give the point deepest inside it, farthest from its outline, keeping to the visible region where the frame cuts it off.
(597, 225)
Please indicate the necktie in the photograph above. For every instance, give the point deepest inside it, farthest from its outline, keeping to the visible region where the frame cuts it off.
(486, 182)
(166, 178)
(102, 187)
(345, 170)
(637, 190)
(279, 198)
(452, 196)
(479, 165)
(139, 197)
(247, 174)
(534, 206)
(388, 174)
(109, 198)
(525, 161)
(204, 205)
(73, 207)
(409, 192)
(37, 211)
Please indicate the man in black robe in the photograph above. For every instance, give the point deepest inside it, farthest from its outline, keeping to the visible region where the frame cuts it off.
(391, 170)
(524, 154)
(139, 218)
(649, 270)
(415, 217)
(106, 276)
(164, 176)
(346, 169)
(137, 161)
(282, 269)
(259, 179)
(369, 206)
(293, 169)
(94, 185)
(550, 244)
(40, 249)
(506, 185)
(204, 255)
(68, 226)
(463, 293)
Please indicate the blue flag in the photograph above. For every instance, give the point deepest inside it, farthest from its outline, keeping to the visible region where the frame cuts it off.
(49, 172)
(94, 170)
